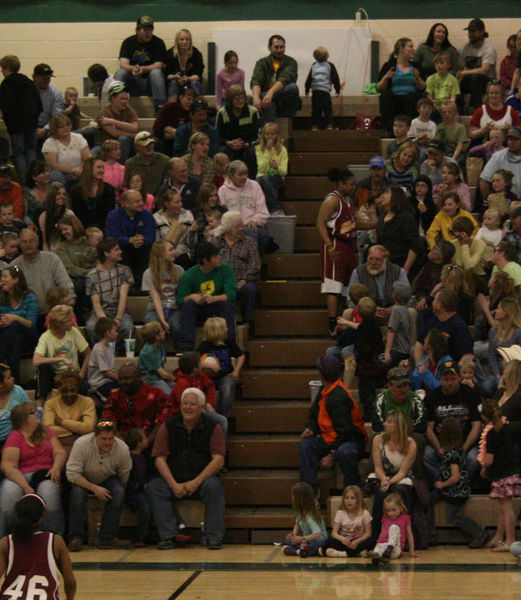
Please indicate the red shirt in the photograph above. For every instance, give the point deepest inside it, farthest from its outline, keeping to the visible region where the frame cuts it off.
(142, 410)
(15, 197)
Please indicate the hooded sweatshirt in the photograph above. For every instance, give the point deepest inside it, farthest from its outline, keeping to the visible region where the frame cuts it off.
(248, 200)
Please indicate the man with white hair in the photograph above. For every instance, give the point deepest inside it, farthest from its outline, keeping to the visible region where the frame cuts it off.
(240, 252)
(189, 451)
(379, 275)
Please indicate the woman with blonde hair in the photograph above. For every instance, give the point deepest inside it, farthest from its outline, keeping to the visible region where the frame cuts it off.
(401, 167)
(184, 65)
(506, 333)
(64, 152)
(272, 165)
(200, 165)
(394, 452)
(160, 280)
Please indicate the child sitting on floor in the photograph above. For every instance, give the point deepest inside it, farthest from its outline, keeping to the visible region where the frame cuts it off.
(309, 532)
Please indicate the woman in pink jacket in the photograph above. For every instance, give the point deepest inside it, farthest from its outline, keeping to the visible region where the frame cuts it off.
(245, 196)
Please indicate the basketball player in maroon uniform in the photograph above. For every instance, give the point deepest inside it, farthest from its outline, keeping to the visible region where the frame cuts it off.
(336, 225)
(30, 559)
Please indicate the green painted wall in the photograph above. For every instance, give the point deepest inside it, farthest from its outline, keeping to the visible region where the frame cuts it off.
(25, 11)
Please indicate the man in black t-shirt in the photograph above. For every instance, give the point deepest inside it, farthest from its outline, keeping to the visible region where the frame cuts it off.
(141, 61)
(452, 399)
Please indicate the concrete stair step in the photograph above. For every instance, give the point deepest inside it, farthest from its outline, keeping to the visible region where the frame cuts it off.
(277, 383)
(301, 352)
(279, 322)
(335, 141)
(281, 292)
(293, 266)
(307, 239)
(270, 416)
(263, 450)
(306, 210)
(267, 487)
(319, 163)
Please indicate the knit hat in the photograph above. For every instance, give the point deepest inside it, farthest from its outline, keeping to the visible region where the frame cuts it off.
(329, 367)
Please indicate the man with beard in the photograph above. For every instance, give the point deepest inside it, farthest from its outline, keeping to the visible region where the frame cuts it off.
(477, 63)
(378, 275)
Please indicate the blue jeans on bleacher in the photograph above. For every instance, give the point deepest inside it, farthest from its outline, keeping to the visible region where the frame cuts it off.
(312, 449)
(111, 512)
(153, 84)
(431, 461)
(193, 314)
(285, 103)
(172, 320)
(174, 88)
(24, 146)
(247, 296)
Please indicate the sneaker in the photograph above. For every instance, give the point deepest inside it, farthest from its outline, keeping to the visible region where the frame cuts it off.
(375, 558)
(214, 545)
(332, 553)
(139, 545)
(290, 551)
(167, 544)
(182, 538)
(75, 545)
(115, 544)
(480, 541)
(386, 556)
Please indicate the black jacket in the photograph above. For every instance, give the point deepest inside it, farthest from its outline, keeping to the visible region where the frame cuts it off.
(20, 103)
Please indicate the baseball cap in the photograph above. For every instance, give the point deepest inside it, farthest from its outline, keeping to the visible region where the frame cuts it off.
(198, 104)
(449, 366)
(398, 375)
(436, 145)
(377, 161)
(145, 21)
(475, 25)
(116, 87)
(514, 132)
(329, 367)
(144, 138)
(43, 70)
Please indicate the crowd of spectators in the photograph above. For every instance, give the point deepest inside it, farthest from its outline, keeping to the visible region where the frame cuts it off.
(106, 211)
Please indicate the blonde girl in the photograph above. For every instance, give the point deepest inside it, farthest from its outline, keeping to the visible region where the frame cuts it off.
(272, 165)
(396, 530)
(467, 370)
(309, 529)
(71, 107)
(498, 457)
(217, 342)
(506, 333)
(160, 280)
(352, 527)
(184, 65)
(451, 176)
(137, 183)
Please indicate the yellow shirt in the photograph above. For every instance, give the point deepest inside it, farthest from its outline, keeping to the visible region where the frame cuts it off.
(80, 418)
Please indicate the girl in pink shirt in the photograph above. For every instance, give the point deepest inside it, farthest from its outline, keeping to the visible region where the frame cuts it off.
(396, 529)
(114, 172)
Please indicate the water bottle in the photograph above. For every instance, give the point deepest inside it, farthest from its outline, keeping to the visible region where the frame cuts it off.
(96, 534)
(202, 537)
(304, 549)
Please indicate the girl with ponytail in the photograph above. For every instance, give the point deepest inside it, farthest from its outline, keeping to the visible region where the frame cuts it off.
(30, 559)
(500, 463)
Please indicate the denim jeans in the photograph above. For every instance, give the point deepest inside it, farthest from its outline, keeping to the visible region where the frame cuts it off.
(153, 84)
(285, 103)
(174, 87)
(67, 182)
(140, 504)
(226, 388)
(14, 340)
(313, 545)
(173, 321)
(220, 420)
(454, 517)
(163, 385)
(431, 460)
(11, 492)
(109, 521)
(24, 146)
(247, 296)
(312, 449)
(193, 314)
(210, 492)
(270, 185)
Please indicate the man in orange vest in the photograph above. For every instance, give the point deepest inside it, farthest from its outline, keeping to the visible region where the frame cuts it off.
(334, 430)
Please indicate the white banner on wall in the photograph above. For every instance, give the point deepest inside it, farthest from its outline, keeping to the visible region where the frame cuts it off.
(349, 50)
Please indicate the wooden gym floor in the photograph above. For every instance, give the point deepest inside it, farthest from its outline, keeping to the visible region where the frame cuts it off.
(264, 573)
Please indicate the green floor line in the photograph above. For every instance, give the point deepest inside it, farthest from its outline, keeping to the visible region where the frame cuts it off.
(299, 566)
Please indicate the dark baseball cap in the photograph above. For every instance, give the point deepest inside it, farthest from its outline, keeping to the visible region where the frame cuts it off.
(145, 21)
(377, 161)
(449, 366)
(43, 70)
(475, 25)
(436, 145)
(398, 375)
(198, 104)
(514, 132)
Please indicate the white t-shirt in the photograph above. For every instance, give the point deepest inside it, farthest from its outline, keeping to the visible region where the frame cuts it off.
(352, 528)
(472, 58)
(68, 156)
(168, 290)
(494, 236)
(420, 128)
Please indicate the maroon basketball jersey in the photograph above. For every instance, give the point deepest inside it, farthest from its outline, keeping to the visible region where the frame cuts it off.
(31, 572)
